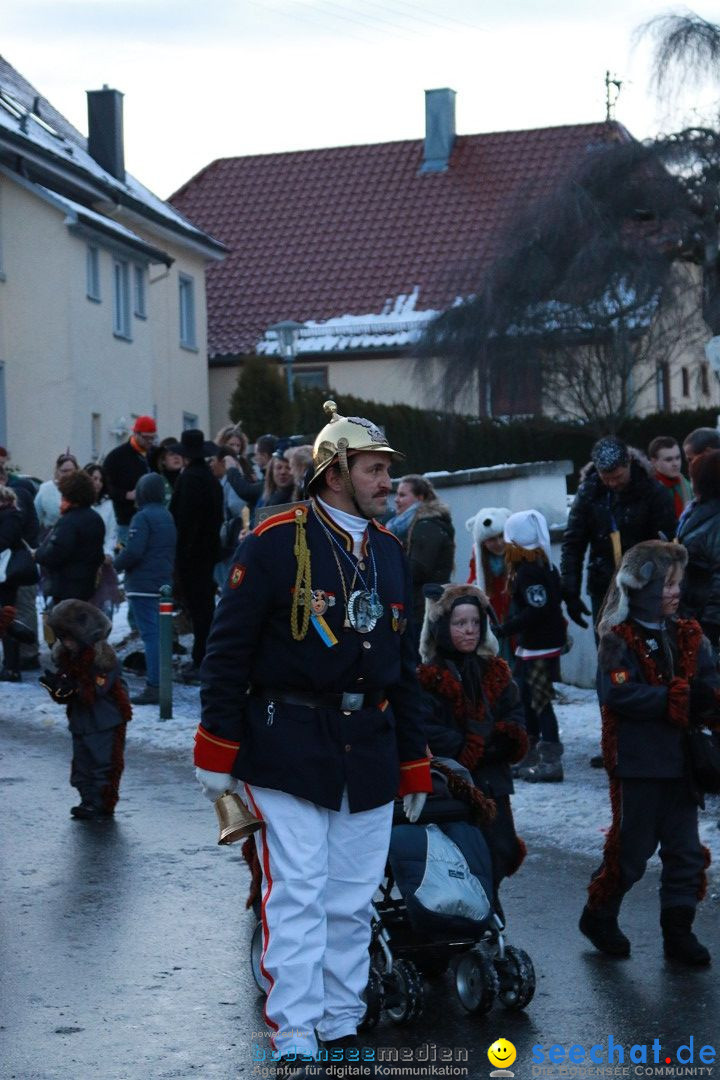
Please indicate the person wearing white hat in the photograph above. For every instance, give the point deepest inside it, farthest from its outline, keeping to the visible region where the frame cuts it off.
(540, 634)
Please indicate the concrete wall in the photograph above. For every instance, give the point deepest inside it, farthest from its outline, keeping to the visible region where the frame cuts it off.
(62, 361)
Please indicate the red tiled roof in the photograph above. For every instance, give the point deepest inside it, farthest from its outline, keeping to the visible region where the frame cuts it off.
(318, 234)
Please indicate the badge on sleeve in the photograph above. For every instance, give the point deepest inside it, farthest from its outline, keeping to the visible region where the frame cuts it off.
(236, 576)
(617, 678)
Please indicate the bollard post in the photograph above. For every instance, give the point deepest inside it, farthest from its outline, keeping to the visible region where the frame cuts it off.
(165, 606)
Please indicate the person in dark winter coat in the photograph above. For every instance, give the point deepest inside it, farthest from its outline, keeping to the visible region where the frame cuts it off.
(11, 526)
(87, 681)
(148, 560)
(123, 468)
(423, 524)
(617, 505)
(73, 552)
(699, 533)
(197, 507)
(656, 678)
(539, 632)
(477, 713)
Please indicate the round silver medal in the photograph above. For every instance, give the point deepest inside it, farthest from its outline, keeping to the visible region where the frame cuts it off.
(364, 609)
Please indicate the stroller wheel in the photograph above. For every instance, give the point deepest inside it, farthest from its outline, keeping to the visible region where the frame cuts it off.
(476, 982)
(256, 947)
(403, 993)
(517, 978)
(372, 997)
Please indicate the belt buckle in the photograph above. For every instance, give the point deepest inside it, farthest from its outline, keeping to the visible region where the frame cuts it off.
(352, 702)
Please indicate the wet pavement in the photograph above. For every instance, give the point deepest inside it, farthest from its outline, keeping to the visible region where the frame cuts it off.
(124, 945)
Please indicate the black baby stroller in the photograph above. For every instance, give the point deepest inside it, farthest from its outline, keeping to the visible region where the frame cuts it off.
(436, 909)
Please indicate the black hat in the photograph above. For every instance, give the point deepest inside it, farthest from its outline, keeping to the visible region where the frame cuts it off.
(193, 445)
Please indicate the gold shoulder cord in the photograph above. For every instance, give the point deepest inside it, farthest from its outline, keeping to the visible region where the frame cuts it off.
(302, 582)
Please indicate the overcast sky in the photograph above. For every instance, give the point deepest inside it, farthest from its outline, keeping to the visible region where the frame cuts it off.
(220, 78)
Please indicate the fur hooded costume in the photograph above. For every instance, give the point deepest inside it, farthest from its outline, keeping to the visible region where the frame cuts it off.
(85, 624)
(439, 602)
(643, 570)
(477, 714)
(488, 522)
(656, 677)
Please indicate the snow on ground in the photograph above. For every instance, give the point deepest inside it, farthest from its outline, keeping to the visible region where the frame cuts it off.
(572, 816)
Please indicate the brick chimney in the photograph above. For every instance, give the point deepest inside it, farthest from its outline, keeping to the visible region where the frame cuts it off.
(105, 130)
(439, 129)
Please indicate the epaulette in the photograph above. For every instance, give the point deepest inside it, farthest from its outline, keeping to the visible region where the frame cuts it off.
(285, 517)
(387, 532)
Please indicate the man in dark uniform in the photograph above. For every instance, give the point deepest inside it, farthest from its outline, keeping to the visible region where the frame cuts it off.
(310, 699)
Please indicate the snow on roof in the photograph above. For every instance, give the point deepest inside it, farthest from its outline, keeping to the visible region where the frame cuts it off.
(30, 119)
(397, 325)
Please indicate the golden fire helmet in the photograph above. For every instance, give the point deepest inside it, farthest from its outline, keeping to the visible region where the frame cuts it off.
(343, 436)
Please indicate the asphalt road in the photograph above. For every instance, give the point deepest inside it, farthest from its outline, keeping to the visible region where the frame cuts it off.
(124, 945)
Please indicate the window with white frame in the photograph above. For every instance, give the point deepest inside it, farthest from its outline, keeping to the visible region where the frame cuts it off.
(188, 334)
(139, 292)
(92, 273)
(121, 299)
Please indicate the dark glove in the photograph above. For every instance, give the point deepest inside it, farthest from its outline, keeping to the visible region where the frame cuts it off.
(576, 608)
(60, 687)
(703, 702)
(21, 632)
(679, 702)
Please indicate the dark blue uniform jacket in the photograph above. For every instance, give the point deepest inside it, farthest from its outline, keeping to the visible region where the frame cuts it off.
(311, 752)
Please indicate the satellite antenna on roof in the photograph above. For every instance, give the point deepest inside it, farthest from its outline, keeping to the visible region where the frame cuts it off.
(613, 86)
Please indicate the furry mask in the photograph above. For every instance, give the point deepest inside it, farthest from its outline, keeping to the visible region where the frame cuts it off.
(439, 601)
(85, 624)
(641, 565)
(489, 521)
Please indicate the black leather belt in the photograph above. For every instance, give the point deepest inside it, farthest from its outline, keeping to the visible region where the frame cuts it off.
(347, 702)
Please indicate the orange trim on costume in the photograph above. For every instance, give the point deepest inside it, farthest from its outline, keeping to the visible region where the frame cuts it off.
(387, 532)
(287, 517)
(213, 753)
(414, 777)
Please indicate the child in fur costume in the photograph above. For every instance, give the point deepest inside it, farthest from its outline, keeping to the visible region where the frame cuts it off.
(88, 682)
(540, 633)
(488, 569)
(656, 677)
(477, 715)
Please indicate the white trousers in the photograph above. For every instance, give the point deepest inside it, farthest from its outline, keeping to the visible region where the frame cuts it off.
(321, 869)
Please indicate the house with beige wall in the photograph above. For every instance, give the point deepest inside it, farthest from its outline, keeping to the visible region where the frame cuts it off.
(102, 288)
(365, 245)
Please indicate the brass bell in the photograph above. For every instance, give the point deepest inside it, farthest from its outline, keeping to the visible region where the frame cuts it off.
(236, 821)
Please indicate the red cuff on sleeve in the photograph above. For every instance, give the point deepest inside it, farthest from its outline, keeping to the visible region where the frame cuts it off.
(415, 776)
(214, 753)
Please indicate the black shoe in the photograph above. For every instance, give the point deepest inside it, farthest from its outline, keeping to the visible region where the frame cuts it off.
(87, 812)
(597, 761)
(604, 933)
(149, 696)
(190, 674)
(678, 939)
(10, 676)
(135, 661)
(179, 649)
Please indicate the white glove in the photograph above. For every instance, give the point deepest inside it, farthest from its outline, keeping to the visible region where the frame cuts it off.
(413, 805)
(215, 784)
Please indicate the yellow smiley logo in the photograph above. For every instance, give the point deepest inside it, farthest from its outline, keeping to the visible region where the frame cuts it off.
(502, 1054)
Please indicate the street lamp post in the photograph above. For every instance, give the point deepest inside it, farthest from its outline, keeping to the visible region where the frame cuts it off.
(287, 333)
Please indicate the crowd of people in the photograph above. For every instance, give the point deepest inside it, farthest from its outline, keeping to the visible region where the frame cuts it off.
(330, 665)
